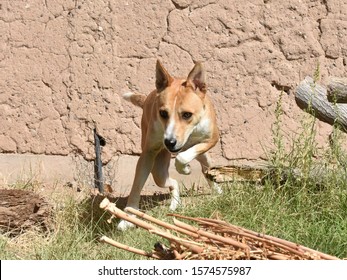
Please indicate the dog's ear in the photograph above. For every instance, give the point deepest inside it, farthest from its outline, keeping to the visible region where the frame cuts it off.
(196, 77)
(163, 78)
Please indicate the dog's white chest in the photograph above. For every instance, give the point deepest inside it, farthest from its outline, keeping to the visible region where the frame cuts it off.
(199, 133)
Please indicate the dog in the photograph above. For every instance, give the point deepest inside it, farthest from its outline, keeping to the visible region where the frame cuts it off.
(178, 119)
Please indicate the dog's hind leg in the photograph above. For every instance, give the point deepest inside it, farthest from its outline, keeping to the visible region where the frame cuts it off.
(205, 163)
(160, 173)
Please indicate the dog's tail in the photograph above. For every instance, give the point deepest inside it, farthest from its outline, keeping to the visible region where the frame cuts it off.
(135, 98)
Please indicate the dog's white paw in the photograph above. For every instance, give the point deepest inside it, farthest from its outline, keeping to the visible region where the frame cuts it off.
(185, 170)
(175, 201)
(124, 225)
(175, 194)
(174, 204)
(216, 187)
(182, 168)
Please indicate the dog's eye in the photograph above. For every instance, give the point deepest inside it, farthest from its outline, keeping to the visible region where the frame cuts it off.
(187, 115)
(164, 114)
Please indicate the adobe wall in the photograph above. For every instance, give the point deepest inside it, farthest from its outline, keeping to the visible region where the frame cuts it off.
(64, 65)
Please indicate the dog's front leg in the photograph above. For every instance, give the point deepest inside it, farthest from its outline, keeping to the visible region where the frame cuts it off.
(143, 168)
(183, 158)
(199, 152)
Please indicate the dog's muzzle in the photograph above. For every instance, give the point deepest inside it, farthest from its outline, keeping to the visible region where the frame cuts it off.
(170, 145)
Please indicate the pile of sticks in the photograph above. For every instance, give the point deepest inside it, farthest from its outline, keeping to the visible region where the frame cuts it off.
(213, 239)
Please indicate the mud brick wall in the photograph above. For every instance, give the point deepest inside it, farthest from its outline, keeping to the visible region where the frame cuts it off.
(64, 65)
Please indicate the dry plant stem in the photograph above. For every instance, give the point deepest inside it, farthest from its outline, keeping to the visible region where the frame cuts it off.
(107, 205)
(278, 257)
(160, 223)
(217, 239)
(193, 246)
(292, 245)
(178, 256)
(280, 243)
(114, 243)
(199, 220)
(225, 240)
(287, 245)
(268, 240)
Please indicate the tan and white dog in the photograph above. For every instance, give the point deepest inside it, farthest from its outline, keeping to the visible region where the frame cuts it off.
(178, 118)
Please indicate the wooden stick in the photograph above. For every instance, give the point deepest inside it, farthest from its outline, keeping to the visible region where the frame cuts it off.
(114, 243)
(276, 256)
(293, 245)
(271, 247)
(286, 243)
(177, 255)
(281, 243)
(263, 240)
(193, 246)
(107, 205)
(295, 248)
(111, 207)
(225, 240)
(200, 220)
(160, 223)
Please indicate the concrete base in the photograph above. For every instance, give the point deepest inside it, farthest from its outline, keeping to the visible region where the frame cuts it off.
(16, 168)
(119, 172)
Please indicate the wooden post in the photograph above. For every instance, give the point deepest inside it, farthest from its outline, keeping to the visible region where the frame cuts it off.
(312, 97)
(337, 90)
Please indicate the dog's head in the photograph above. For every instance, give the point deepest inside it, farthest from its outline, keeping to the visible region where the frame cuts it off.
(180, 104)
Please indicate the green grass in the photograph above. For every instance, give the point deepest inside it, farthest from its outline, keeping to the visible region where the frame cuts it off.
(316, 219)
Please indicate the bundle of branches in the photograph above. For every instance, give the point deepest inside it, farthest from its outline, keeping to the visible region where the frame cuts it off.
(213, 239)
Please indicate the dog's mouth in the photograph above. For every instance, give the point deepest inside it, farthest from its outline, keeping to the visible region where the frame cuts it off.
(173, 151)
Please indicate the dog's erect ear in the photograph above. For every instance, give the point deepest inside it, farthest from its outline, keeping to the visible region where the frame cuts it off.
(197, 78)
(163, 78)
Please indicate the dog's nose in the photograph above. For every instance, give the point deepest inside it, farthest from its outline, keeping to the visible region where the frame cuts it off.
(170, 143)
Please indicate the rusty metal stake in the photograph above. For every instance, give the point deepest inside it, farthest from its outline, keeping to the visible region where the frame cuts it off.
(98, 179)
